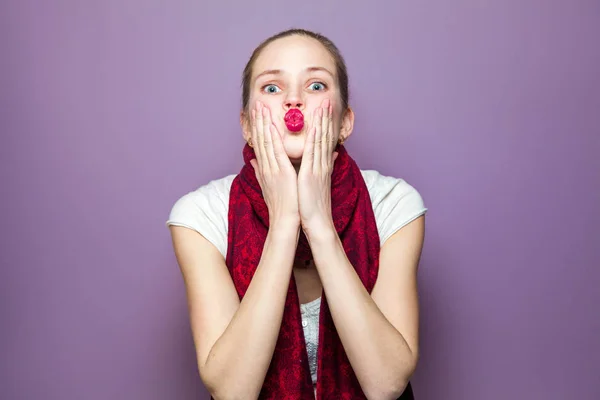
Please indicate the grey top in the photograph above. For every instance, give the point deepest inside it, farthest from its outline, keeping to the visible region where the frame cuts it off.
(310, 325)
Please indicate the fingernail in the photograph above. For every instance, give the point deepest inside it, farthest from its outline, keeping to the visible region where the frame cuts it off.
(264, 111)
(320, 112)
(326, 103)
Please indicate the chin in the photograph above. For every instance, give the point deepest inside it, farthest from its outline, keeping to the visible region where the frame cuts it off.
(294, 147)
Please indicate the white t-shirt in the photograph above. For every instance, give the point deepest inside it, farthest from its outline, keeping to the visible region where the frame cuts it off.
(395, 204)
(205, 210)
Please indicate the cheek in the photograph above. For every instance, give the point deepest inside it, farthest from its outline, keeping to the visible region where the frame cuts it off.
(252, 100)
(272, 102)
(257, 95)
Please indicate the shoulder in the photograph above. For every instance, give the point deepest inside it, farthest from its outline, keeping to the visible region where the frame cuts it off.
(395, 202)
(205, 211)
(209, 197)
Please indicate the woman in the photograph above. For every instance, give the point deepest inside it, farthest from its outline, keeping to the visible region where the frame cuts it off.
(300, 270)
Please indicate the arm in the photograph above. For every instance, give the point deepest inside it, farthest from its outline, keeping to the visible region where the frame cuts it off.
(235, 340)
(383, 347)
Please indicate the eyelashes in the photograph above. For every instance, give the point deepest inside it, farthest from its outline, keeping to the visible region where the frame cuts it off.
(272, 88)
(324, 86)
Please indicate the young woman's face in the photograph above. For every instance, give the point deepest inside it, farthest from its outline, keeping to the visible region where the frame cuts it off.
(295, 72)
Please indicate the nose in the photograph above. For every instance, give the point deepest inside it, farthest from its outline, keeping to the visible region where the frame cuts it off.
(293, 105)
(293, 100)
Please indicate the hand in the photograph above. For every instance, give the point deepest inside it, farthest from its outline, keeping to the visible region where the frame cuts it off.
(273, 169)
(314, 177)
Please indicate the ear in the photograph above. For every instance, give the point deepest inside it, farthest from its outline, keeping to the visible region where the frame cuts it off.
(347, 124)
(245, 124)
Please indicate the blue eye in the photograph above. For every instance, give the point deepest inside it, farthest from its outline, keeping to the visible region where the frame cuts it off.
(317, 86)
(271, 89)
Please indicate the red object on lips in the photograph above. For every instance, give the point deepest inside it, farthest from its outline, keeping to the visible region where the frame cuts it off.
(294, 120)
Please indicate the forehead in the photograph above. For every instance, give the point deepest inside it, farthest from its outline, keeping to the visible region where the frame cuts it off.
(293, 54)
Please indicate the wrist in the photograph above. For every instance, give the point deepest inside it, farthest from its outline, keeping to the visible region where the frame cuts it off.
(284, 224)
(319, 231)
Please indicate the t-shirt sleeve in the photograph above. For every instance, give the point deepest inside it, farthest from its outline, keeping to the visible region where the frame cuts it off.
(205, 211)
(395, 204)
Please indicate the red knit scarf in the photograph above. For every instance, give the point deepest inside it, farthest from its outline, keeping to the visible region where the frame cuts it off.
(288, 376)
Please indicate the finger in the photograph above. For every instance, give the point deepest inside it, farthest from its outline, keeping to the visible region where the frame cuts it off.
(331, 137)
(254, 135)
(269, 138)
(325, 154)
(309, 150)
(318, 151)
(280, 155)
(260, 132)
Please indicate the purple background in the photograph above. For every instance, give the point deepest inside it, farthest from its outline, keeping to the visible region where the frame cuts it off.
(111, 110)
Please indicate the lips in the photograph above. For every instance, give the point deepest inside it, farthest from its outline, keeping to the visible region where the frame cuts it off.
(294, 120)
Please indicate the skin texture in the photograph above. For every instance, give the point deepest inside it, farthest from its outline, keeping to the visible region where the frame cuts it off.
(379, 331)
(295, 87)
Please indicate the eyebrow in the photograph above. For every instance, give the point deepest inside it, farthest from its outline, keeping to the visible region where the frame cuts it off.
(279, 72)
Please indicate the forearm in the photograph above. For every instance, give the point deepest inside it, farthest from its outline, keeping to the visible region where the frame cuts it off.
(378, 353)
(238, 362)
